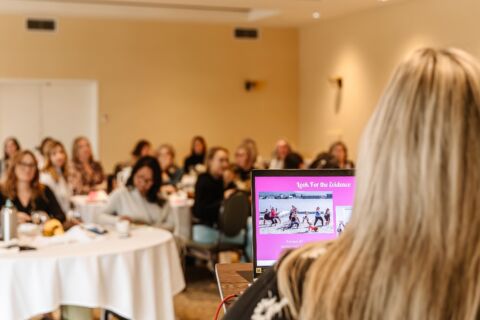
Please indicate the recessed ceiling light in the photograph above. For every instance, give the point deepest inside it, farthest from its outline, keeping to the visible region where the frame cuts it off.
(316, 15)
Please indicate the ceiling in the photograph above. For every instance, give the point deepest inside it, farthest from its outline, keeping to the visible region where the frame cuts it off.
(292, 13)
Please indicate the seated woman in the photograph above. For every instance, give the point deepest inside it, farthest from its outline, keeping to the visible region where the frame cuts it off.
(40, 152)
(210, 191)
(138, 200)
(293, 160)
(340, 152)
(10, 148)
(171, 174)
(86, 174)
(282, 149)
(404, 255)
(197, 156)
(123, 170)
(244, 164)
(23, 187)
(55, 174)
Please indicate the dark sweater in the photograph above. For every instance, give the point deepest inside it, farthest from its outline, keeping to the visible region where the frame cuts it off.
(45, 202)
(208, 199)
(192, 161)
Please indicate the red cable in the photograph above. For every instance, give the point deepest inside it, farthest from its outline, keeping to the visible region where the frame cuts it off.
(221, 304)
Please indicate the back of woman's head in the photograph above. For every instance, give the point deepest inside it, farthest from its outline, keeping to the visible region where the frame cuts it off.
(293, 160)
(411, 250)
(152, 163)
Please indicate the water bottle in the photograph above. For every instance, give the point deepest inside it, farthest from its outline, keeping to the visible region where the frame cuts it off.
(9, 221)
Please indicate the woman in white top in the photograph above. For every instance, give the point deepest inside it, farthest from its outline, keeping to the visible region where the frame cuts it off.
(55, 174)
(138, 200)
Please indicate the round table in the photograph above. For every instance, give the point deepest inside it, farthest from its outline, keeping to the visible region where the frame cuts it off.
(180, 210)
(136, 277)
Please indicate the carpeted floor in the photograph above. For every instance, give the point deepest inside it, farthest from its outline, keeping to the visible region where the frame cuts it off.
(201, 298)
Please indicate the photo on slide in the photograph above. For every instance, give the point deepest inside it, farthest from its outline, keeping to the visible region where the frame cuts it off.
(343, 217)
(296, 212)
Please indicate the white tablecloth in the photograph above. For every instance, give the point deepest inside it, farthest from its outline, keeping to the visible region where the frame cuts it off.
(179, 209)
(135, 277)
(87, 210)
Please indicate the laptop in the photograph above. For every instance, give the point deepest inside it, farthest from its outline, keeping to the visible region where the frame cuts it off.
(293, 207)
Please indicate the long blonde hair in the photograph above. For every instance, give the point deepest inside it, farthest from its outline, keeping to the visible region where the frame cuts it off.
(412, 248)
(50, 167)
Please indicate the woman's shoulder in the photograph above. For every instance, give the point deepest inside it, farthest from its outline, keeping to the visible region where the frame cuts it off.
(120, 191)
(97, 165)
(263, 300)
(45, 177)
(46, 190)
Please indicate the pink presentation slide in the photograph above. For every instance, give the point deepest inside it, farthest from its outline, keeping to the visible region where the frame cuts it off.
(292, 211)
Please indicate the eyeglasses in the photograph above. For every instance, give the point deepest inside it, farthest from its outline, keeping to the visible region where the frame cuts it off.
(29, 165)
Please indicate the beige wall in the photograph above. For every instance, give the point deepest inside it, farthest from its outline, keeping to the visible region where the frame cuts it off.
(164, 81)
(364, 48)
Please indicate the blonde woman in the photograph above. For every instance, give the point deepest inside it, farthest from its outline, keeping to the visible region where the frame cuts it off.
(86, 174)
(412, 248)
(55, 173)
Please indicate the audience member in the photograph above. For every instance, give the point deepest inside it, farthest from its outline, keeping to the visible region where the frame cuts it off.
(197, 156)
(86, 173)
(210, 189)
(11, 147)
(138, 200)
(282, 149)
(122, 171)
(55, 174)
(171, 173)
(40, 152)
(293, 160)
(340, 152)
(23, 188)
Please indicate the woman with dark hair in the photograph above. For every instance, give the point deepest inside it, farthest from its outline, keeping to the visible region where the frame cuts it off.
(293, 160)
(40, 152)
(123, 170)
(197, 157)
(210, 191)
(138, 200)
(10, 148)
(86, 174)
(340, 152)
(141, 149)
(23, 187)
(210, 188)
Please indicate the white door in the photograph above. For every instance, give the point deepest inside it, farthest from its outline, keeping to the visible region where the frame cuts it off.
(20, 113)
(33, 109)
(69, 111)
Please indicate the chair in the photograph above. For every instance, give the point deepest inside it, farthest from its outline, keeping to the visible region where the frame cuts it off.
(232, 222)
